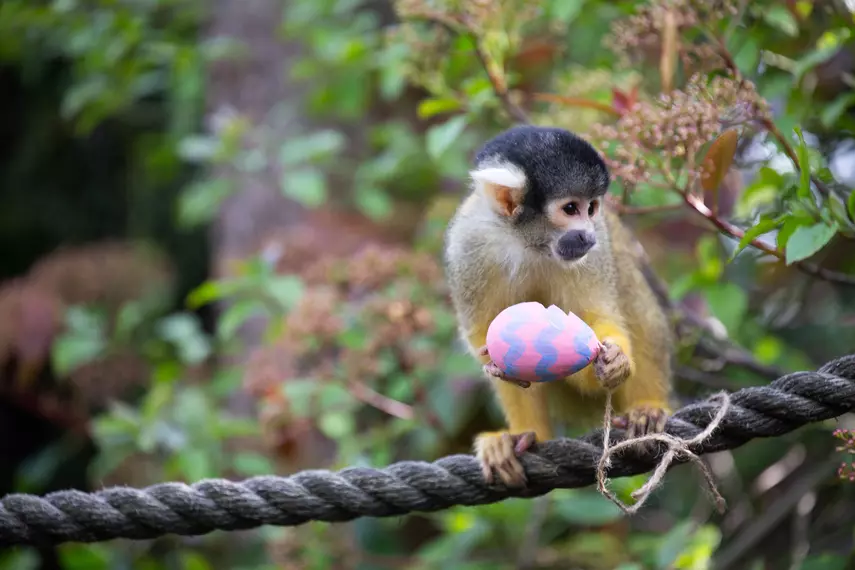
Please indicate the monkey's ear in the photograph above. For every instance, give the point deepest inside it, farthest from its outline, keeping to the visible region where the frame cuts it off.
(502, 186)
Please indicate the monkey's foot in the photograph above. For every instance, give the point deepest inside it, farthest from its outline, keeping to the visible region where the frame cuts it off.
(643, 420)
(612, 366)
(499, 450)
(492, 369)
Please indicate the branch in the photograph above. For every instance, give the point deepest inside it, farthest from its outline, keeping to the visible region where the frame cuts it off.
(460, 26)
(498, 84)
(767, 123)
(697, 205)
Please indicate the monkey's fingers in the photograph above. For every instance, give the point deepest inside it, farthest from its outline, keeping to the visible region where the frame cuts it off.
(491, 369)
(483, 351)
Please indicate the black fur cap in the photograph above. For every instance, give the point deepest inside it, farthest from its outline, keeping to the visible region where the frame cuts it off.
(556, 163)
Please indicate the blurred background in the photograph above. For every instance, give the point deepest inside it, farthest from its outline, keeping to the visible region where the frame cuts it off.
(220, 256)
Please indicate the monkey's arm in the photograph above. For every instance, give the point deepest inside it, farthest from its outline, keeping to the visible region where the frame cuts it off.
(526, 415)
(525, 410)
(616, 363)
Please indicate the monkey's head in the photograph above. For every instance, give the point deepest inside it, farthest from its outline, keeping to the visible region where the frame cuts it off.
(547, 185)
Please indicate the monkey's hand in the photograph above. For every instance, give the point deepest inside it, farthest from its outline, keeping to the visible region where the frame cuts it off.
(499, 450)
(643, 419)
(612, 366)
(491, 369)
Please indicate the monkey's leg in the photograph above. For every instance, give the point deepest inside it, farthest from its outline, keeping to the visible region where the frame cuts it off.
(644, 398)
(527, 414)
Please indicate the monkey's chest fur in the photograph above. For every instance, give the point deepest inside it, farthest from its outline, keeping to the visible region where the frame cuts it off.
(572, 290)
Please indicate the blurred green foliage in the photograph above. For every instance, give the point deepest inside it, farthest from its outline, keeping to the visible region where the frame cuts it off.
(125, 57)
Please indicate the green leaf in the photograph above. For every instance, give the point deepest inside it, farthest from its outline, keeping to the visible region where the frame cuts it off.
(200, 202)
(748, 56)
(314, 146)
(70, 351)
(435, 106)
(286, 289)
(195, 464)
(565, 11)
(754, 198)
(30, 560)
(300, 395)
(193, 561)
(780, 18)
(198, 148)
(305, 185)
(85, 557)
(251, 464)
(789, 225)
(184, 331)
(811, 60)
(334, 395)
(762, 191)
(374, 203)
(440, 137)
(336, 425)
(729, 303)
(807, 240)
(585, 508)
(698, 553)
(850, 205)
(804, 166)
(762, 227)
(833, 111)
(672, 545)
(824, 562)
(236, 315)
(211, 291)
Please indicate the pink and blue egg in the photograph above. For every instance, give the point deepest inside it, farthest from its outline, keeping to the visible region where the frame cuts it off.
(530, 342)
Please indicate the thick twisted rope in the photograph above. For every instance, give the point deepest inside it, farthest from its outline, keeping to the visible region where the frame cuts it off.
(411, 486)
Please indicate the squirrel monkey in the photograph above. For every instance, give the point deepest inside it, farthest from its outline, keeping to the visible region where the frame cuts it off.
(536, 228)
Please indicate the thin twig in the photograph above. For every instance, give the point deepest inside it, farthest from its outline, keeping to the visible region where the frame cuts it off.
(645, 210)
(383, 403)
(575, 102)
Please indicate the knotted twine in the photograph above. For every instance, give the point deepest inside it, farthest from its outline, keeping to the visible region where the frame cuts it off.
(677, 448)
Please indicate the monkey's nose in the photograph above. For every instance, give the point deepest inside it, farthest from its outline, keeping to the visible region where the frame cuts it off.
(574, 244)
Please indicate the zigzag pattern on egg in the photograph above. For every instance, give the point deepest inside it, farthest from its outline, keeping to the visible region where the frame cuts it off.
(530, 342)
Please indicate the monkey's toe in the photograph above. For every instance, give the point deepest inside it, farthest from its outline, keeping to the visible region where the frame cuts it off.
(498, 452)
(645, 420)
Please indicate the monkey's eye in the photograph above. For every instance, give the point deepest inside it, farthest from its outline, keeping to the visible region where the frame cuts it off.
(571, 209)
(592, 207)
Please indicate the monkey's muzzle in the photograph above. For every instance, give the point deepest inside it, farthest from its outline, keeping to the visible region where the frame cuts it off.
(575, 244)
